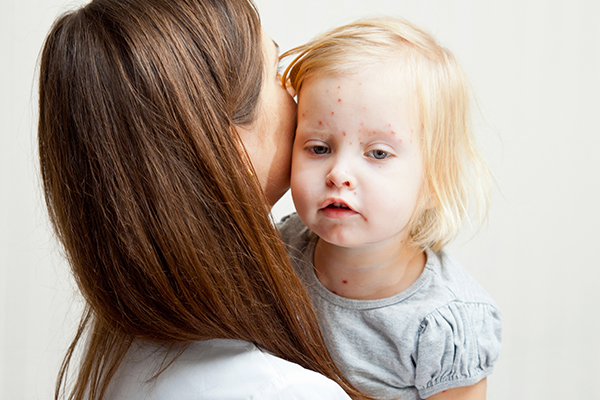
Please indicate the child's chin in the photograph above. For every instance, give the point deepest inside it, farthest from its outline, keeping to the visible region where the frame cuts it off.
(340, 241)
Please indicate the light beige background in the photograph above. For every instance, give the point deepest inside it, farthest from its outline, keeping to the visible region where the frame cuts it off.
(534, 66)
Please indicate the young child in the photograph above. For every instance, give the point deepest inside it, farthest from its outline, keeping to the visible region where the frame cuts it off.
(384, 168)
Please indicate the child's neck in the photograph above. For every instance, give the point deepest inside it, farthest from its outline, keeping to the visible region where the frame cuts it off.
(368, 273)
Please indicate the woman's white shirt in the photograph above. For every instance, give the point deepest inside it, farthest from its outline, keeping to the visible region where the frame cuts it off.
(216, 369)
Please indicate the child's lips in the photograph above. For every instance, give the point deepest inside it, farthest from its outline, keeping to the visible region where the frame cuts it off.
(337, 209)
(334, 202)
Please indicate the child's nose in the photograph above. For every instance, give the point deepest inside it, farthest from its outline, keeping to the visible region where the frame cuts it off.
(340, 178)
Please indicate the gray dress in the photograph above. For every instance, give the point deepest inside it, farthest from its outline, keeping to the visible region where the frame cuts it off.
(442, 332)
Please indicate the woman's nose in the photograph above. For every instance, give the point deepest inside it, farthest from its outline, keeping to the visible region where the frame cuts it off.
(340, 177)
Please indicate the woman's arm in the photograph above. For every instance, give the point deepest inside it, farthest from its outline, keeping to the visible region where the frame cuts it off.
(475, 392)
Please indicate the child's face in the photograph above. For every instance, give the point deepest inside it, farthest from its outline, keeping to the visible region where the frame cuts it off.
(357, 162)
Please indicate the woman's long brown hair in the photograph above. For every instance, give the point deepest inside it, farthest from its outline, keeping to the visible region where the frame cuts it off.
(168, 236)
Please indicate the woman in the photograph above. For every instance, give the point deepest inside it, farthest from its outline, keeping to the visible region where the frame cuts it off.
(164, 135)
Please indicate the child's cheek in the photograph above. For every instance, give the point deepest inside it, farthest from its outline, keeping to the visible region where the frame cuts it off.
(306, 180)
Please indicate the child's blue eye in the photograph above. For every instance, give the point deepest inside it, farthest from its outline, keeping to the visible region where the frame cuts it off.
(319, 150)
(378, 154)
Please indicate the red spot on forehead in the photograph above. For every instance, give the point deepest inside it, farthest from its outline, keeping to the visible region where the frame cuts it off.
(339, 100)
(344, 281)
(339, 87)
(332, 113)
(344, 133)
(320, 122)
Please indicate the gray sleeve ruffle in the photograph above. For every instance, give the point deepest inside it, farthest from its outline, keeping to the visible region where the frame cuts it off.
(458, 345)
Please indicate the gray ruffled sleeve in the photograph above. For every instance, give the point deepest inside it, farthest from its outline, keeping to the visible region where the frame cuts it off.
(458, 345)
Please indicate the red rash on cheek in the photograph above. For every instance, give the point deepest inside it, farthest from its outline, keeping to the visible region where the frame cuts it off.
(344, 133)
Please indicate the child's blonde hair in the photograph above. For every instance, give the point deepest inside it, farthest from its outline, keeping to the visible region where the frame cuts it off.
(455, 173)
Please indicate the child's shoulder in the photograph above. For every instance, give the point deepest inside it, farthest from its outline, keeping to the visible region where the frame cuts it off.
(460, 331)
(452, 300)
(293, 231)
(449, 277)
(289, 222)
